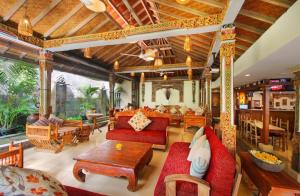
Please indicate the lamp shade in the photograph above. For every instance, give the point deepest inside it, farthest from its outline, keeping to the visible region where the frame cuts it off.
(142, 78)
(149, 54)
(183, 2)
(132, 74)
(116, 65)
(188, 61)
(187, 44)
(165, 77)
(94, 5)
(87, 53)
(190, 74)
(24, 26)
(158, 62)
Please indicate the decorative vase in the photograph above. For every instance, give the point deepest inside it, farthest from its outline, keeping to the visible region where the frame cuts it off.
(32, 118)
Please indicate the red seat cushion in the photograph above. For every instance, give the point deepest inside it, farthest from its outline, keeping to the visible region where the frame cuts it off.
(176, 163)
(145, 136)
(158, 124)
(122, 122)
(72, 191)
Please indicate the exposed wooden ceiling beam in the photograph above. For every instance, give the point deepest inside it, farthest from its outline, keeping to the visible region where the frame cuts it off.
(81, 24)
(22, 55)
(169, 14)
(13, 10)
(258, 16)
(45, 11)
(280, 3)
(179, 7)
(134, 50)
(116, 52)
(132, 12)
(165, 67)
(4, 49)
(64, 19)
(250, 28)
(244, 48)
(147, 11)
(245, 39)
(98, 26)
(212, 3)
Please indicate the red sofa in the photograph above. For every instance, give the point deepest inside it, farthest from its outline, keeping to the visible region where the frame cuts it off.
(72, 191)
(155, 133)
(218, 181)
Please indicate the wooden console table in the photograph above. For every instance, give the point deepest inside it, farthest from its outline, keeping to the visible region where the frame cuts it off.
(268, 183)
(193, 120)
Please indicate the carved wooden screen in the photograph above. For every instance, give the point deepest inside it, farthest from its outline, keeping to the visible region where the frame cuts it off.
(156, 85)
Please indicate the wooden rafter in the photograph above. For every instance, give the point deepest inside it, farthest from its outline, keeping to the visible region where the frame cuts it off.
(131, 11)
(116, 52)
(250, 28)
(44, 12)
(99, 26)
(147, 11)
(169, 14)
(212, 3)
(179, 7)
(13, 10)
(81, 24)
(63, 20)
(245, 39)
(258, 16)
(280, 3)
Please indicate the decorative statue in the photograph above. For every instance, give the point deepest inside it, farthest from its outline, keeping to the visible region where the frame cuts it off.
(168, 93)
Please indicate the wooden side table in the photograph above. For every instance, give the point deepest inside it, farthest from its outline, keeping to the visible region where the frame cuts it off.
(268, 183)
(84, 133)
(193, 120)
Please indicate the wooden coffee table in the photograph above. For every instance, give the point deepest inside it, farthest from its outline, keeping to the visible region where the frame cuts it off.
(105, 159)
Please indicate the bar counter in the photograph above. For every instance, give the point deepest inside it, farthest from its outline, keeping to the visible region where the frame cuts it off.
(256, 114)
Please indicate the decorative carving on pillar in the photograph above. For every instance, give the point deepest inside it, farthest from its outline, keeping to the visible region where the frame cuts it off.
(111, 79)
(156, 85)
(46, 69)
(227, 51)
(143, 92)
(194, 90)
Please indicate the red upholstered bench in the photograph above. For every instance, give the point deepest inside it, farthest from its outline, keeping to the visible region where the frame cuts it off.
(221, 179)
(72, 191)
(155, 133)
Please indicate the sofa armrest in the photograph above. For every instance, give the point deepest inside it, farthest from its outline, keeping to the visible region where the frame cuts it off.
(110, 125)
(170, 181)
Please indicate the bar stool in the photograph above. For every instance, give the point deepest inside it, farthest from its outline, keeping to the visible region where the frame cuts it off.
(274, 121)
(254, 134)
(285, 126)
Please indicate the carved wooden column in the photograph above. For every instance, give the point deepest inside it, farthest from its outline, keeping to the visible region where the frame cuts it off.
(266, 114)
(227, 51)
(111, 79)
(135, 93)
(296, 137)
(208, 97)
(201, 90)
(46, 69)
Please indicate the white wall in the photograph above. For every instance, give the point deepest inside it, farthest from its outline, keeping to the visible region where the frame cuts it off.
(174, 98)
(127, 94)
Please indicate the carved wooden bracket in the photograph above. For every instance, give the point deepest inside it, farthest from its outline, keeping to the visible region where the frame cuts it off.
(156, 85)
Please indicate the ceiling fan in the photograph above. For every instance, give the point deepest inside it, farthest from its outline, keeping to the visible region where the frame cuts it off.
(162, 73)
(148, 55)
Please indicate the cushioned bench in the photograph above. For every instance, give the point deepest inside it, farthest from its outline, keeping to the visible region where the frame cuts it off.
(155, 133)
(219, 180)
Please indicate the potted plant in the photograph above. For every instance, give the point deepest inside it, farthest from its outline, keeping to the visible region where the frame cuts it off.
(87, 103)
(17, 83)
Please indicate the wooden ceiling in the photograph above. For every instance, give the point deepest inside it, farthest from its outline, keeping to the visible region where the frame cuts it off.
(64, 18)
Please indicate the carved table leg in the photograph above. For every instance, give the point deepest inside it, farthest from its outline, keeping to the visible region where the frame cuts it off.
(132, 181)
(77, 173)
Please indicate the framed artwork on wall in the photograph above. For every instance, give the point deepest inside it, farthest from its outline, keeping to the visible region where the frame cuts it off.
(256, 103)
(277, 104)
(292, 103)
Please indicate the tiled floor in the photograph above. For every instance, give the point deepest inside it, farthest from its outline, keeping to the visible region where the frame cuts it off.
(60, 166)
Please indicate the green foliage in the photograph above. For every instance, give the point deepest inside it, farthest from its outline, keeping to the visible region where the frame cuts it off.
(87, 102)
(74, 118)
(18, 82)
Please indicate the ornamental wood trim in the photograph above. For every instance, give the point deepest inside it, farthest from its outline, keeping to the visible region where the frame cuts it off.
(156, 85)
(148, 113)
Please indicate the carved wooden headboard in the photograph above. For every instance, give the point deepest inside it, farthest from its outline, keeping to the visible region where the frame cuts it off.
(148, 113)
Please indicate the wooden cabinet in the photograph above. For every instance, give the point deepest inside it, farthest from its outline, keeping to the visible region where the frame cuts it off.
(193, 120)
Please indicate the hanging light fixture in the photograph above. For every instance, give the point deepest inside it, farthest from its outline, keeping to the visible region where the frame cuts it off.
(187, 44)
(142, 78)
(190, 74)
(165, 77)
(94, 5)
(183, 2)
(149, 54)
(132, 74)
(158, 62)
(87, 53)
(188, 61)
(116, 65)
(24, 26)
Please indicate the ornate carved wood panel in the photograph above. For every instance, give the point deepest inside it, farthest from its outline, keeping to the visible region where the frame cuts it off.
(156, 85)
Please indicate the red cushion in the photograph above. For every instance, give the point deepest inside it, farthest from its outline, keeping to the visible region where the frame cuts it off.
(221, 171)
(72, 191)
(158, 123)
(122, 122)
(145, 136)
(176, 163)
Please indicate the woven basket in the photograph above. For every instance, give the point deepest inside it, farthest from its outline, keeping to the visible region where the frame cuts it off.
(266, 166)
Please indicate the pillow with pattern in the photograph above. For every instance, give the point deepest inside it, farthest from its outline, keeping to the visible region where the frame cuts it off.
(139, 121)
(20, 181)
(161, 109)
(55, 120)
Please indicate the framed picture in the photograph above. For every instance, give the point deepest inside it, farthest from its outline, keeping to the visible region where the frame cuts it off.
(284, 102)
(277, 104)
(292, 103)
(256, 103)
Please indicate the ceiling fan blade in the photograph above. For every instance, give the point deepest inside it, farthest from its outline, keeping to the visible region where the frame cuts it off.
(123, 54)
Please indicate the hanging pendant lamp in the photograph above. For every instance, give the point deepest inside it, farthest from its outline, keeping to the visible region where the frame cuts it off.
(87, 53)
(165, 77)
(24, 26)
(188, 61)
(116, 65)
(94, 5)
(132, 74)
(158, 62)
(187, 44)
(142, 78)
